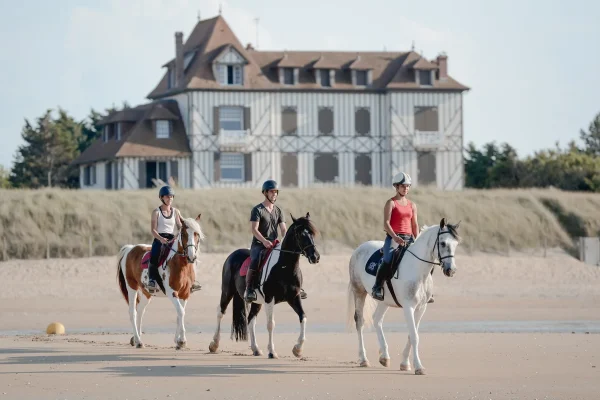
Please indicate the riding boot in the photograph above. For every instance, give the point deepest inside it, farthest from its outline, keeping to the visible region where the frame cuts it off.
(250, 292)
(382, 273)
(152, 277)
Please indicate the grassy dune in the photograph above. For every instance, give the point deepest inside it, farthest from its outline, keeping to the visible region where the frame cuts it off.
(492, 220)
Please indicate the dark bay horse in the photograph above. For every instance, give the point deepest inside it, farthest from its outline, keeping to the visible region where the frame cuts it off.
(280, 281)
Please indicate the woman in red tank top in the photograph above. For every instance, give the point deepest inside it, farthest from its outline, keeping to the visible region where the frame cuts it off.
(400, 224)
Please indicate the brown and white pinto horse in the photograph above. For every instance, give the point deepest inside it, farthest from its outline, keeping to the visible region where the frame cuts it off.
(177, 273)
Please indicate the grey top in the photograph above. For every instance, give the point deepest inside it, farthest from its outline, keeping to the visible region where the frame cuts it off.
(267, 222)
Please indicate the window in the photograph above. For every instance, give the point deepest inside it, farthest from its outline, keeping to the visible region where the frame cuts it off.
(163, 129)
(325, 81)
(288, 76)
(326, 167)
(325, 120)
(361, 78)
(230, 74)
(232, 167)
(155, 170)
(107, 132)
(187, 59)
(362, 121)
(118, 126)
(289, 121)
(231, 118)
(426, 119)
(171, 78)
(89, 175)
(425, 78)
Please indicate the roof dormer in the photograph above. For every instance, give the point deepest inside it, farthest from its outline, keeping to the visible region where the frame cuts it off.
(424, 72)
(362, 72)
(325, 72)
(289, 70)
(228, 67)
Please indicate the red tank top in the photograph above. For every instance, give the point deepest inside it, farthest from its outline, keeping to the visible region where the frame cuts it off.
(401, 218)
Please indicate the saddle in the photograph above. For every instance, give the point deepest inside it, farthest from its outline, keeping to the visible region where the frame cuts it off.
(264, 256)
(162, 255)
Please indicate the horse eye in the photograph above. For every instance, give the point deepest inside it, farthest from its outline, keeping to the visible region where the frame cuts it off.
(443, 244)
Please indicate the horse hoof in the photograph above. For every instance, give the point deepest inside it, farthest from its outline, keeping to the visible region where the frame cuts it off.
(297, 351)
(257, 353)
(213, 347)
(420, 371)
(273, 356)
(404, 367)
(365, 364)
(180, 345)
(385, 362)
(132, 341)
(140, 345)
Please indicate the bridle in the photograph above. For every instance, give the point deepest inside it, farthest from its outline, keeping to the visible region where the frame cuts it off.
(303, 249)
(184, 253)
(436, 244)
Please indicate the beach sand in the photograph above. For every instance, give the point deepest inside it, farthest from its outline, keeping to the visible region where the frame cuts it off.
(518, 327)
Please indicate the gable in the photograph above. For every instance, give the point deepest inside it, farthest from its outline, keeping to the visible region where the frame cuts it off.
(230, 56)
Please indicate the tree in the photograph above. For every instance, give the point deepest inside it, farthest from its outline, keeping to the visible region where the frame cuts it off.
(591, 139)
(4, 182)
(44, 159)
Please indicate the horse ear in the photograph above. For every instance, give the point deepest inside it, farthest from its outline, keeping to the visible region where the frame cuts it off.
(198, 217)
(442, 223)
(307, 215)
(457, 225)
(293, 219)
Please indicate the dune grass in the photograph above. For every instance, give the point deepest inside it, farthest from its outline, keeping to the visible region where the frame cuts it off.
(64, 221)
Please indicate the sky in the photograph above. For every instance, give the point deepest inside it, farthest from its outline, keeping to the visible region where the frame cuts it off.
(533, 66)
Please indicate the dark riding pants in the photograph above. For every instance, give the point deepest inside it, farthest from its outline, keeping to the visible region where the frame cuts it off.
(155, 252)
(255, 252)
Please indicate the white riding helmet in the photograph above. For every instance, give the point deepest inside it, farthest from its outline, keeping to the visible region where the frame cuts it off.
(401, 178)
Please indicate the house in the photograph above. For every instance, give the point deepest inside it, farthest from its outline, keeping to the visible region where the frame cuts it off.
(237, 116)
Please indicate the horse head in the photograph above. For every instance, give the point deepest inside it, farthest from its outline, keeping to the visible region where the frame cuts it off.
(304, 231)
(446, 243)
(190, 236)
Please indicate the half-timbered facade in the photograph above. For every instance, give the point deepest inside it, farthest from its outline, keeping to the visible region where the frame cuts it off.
(310, 118)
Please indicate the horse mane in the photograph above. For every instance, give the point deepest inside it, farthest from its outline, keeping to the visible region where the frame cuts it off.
(195, 226)
(307, 223)
(452, 228)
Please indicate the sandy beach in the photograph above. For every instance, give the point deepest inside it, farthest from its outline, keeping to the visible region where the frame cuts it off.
(518, 327)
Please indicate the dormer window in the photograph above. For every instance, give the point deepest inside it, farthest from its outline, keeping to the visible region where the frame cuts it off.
(171, 78)
(230, 74)
(425, 78)
(187, 59)
(119, 130)
(288, 76)
(361, 78)
(163, 129)
(325, 77)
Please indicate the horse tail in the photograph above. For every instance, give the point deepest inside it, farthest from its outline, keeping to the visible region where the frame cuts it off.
(239, 326)
(120, 277)
(350, 308)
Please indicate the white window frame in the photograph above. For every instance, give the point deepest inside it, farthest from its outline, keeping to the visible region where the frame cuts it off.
(239, 116)
(238, 74)
(162, 126)
(232, 161)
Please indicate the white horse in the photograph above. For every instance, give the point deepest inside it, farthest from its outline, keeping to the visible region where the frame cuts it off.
(412, 287)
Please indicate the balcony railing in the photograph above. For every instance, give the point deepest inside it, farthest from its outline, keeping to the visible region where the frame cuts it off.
(428, 139)
(233, 139)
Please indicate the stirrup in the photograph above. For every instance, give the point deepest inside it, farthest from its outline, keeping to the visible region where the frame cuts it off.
(195, 287)
(152, 286)
(303, 294)
(250, 295)
(377, 296)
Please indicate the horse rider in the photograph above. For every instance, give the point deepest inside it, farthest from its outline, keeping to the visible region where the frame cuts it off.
(401, 226)
(265, 218)
(165, 218)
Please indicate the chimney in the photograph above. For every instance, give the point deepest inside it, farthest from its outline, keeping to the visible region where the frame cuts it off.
(442, 61)
(249, 46)
(178, 58)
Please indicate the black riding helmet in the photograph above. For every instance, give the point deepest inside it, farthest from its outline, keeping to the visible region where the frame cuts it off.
(165, 191)
(269, 185)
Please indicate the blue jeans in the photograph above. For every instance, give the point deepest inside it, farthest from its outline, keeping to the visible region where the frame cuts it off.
(388, 251)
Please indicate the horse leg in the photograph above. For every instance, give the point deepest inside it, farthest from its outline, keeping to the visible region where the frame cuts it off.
(141, 309)
(225, 300)
(132, 297)
(182, 341)
(269, 308)
(384, 355)
(409, 314)
(180, 314)
(254, 310)
(296, 305)
(405, 365)
(359, 319)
